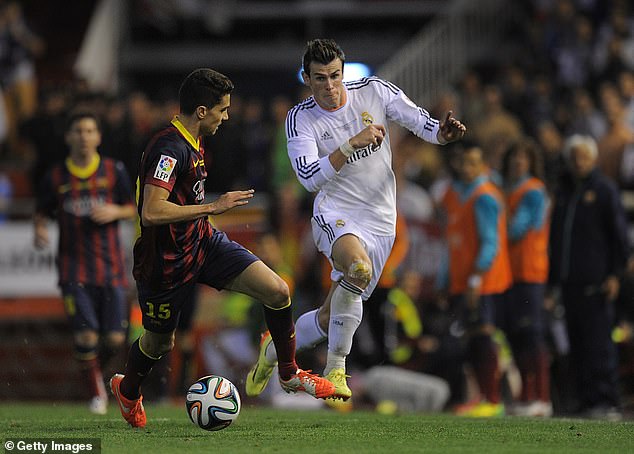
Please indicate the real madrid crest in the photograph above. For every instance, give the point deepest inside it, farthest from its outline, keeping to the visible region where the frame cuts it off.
(367, 118)
(340, 223)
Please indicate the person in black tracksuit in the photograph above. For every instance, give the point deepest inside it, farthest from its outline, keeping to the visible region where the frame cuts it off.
(588, 252)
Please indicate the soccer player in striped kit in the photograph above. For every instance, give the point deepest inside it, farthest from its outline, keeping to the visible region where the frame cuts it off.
(179, 248)
(339, 146)
(88, 194)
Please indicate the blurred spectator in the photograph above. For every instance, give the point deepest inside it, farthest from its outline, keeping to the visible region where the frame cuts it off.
(573, 59)
(522, 317)
(18, 47)
(496, 128)
(617, 139)
(257, 147)
(588, 251)
(542, 102)
(479, 272)
(614, 48)
(472, 104)
(559, 29)
(551, 142)
(586, 119)
(118, 142)
(516, 94)
(45, 132)
(394, 389)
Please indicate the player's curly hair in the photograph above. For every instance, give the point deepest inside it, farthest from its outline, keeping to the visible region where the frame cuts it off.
(203, 87)
(322, 51)
(532, 150)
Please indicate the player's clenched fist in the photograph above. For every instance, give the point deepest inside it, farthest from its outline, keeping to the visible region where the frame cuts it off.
(371, 135)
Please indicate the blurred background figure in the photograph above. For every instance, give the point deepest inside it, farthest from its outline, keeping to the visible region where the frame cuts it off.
(88, 195)
(522, 315)
(588, 253)
(479, 273)
(19, 46)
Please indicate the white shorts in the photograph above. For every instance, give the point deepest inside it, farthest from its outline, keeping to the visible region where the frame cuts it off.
(327, 228)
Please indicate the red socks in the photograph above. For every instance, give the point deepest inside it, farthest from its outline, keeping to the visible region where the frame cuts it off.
(282, 329)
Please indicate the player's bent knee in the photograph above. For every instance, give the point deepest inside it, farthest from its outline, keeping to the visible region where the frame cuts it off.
(86, 338)
(156, 345)
(360, 273)
(114, 341)
(279, 296)
(323, 317)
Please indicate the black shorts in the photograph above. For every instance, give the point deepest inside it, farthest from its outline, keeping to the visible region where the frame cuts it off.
(225, 259)
(97, 308)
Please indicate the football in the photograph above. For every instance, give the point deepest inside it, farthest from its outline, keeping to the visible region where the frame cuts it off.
(213, 402)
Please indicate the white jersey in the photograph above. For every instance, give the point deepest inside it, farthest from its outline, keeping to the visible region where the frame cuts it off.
(365, 187)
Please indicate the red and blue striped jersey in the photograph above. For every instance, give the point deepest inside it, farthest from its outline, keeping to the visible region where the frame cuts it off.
(88, 253)
(167, 256)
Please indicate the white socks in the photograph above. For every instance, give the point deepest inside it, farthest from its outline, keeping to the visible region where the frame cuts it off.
(346, 310)
(308, 334)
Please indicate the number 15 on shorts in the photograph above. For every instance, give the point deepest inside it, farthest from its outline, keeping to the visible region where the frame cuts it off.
(161, 311)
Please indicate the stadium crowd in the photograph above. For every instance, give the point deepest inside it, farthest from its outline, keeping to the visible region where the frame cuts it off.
(573, 75)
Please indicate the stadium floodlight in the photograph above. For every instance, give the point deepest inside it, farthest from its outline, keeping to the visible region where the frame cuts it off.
(352, 71)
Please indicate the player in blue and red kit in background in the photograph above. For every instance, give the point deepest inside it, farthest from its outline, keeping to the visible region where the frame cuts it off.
(178, 247)
(88, 195)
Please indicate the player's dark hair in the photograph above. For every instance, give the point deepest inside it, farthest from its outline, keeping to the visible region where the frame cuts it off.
(322, 51)
(203, 87)
(536, 161)
(75, 116)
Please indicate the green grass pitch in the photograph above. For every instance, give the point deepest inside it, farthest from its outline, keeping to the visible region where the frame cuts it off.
(266, 430)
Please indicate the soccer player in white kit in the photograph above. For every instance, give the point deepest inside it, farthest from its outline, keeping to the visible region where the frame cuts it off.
(339, 146)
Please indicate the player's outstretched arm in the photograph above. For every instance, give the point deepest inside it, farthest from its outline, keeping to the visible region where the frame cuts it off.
(230, 200)
(157, 210)
(451, 129)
